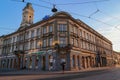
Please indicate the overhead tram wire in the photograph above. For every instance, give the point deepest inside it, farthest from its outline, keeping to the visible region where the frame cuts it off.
(96, 1)
(47, 2)
(109, 16)
(95, 12)
(72, 12)
(7, 28)
(33, 4)
(84, 15)
(92, 19)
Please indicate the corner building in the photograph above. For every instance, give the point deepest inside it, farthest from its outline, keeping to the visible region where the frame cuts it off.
(54, 40)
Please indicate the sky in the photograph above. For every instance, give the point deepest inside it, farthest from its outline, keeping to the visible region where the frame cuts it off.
(101, 15)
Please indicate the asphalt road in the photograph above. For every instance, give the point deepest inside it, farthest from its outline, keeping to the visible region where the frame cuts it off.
(108, 74)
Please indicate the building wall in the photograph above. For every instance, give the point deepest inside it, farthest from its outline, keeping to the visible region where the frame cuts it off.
(87, 44)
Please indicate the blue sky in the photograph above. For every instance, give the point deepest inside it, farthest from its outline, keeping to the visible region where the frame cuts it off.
(105, 21)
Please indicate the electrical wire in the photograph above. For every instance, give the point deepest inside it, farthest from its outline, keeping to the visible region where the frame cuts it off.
(3, 28)
(33, 4)
(94, 13)
(47, 2)
(89, 17)
(84, 2)
(108, 15)
(75, 3)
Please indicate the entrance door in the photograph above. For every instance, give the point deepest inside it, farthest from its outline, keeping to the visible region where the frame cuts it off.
(43, 62)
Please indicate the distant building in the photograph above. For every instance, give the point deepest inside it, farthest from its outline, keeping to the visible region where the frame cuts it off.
(55, 40)
(116, 58)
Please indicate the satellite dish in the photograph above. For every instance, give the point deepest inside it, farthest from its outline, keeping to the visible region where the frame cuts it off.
(54, 9)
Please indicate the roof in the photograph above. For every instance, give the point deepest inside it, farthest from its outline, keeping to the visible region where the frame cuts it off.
(28, 6)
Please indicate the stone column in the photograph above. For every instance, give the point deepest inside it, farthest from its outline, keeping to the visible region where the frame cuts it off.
(9, 64)
(89, 62)
(5, 64)
(0, 63)
(76, 63)
(58, 62)
(27, 62)
(33, 61)
(21, 64)
(46, 61)
(81, 64)
(40, 65)
(68, 61)
(13, 63)
(24, 64)
(85, 62)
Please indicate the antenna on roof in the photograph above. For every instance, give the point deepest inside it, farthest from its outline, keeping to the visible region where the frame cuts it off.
(54, 9)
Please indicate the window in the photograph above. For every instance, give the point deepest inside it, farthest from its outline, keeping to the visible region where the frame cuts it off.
(38, 32)
(87, 36)
(21, 37)
(50, 41)
(13, 39)
(77, 43)
(17, 38)
(44, 30)
(32, 45)
(72, 41)
(38, 44)
(80, 32)
(50, 28)
(81, 44)
(26, 46)
(62, 41)
(32, 34)
(44, 43)
(62, 27)
(26, 35)
(71, 28)
(21, 47)
(75, 30)
(84, 34)
(90, 38)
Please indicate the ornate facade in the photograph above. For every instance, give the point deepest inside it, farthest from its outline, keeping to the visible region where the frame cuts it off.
(52, 41)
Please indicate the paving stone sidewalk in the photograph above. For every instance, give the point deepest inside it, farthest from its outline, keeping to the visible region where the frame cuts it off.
(25, 72)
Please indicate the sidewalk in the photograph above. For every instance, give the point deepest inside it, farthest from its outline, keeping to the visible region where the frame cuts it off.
(35, 72)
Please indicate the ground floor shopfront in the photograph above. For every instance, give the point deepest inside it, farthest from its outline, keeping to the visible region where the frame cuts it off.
(73, 60)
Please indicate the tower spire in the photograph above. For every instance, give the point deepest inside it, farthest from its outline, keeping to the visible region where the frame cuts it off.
(27, 15)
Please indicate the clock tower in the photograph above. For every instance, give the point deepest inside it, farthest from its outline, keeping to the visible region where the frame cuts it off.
(27, 16)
